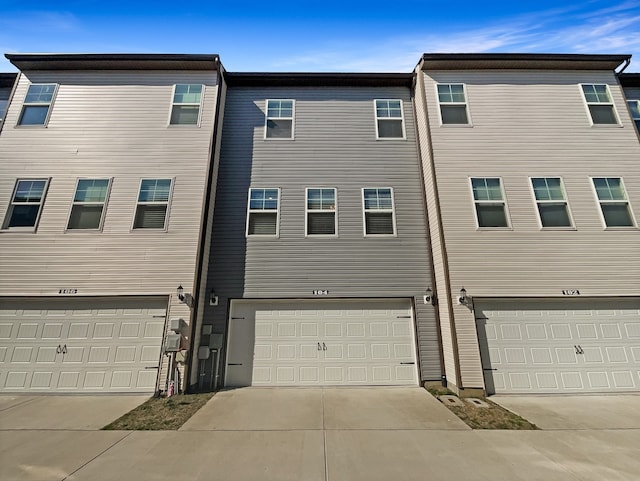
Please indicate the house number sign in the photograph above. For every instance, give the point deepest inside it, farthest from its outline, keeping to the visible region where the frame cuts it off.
(67, 291)
(321, 292)
(570, 292)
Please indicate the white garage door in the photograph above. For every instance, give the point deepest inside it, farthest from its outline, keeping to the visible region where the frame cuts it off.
(290, 343)
(575, 346)
(80, 345)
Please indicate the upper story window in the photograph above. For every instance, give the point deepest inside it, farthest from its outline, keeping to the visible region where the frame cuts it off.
(185, 108)
(600, 104)
(321, 212)
(389, 119)
(634, 107)
(551, 201)
(379, 211)
(453, 104)
(88, 204)
(614, 204)
(279, 119)
(263, 212)
(491, 208)
(37, 104)
(153, 204)
(26, 203)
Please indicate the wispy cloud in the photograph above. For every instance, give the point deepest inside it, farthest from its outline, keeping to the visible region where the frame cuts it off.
(614, 29)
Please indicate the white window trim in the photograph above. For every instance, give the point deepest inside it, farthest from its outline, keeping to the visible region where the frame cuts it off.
(5, 224)
(375, 115)
(104, 204)
(307, 211)
(465, 103)
(50, 104)
(611, 103)
(292, 118)
(565, 200)
(634, 119)
(504, 201)
(392, 211)
(600, 202)
(173, 95)
(258, 211)
(168, 203)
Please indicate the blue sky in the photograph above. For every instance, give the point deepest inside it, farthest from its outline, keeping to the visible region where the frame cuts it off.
(332, 35)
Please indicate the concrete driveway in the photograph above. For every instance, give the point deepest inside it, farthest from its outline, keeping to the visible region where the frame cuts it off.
(64, 412)
(576, 412)
(264, 409)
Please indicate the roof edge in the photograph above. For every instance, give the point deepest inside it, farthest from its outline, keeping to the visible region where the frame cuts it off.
(113, 61)
(543, 61)
(322, 79)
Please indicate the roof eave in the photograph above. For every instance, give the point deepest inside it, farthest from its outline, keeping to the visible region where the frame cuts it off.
(37, 61)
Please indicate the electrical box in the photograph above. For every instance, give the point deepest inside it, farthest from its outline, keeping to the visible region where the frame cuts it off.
(215, 341)
(172, 343)
(177, 325)
(203, 353)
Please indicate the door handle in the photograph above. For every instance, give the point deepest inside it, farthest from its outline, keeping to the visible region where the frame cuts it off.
(578, 349)
(64, 349)
(324, 346)
(319, 347)
(59, 349)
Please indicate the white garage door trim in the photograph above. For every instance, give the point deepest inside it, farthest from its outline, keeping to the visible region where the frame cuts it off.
(87, 345)
(550, 346)
(315, 343)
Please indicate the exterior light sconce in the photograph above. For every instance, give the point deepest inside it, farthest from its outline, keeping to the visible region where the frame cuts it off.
(213, 298)
(463, 298)
(184, 298)
(428, 297)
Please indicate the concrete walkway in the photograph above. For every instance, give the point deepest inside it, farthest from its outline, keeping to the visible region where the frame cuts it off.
(350, 446)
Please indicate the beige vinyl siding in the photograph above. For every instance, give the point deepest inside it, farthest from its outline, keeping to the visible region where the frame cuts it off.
(441, 289)
(532, 124)
(335, 146)
(106, 124)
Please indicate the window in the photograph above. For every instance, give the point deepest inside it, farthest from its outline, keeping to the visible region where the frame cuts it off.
(613, 201)
(262, 218)
(634, 107)
(378, 211)
(88, 204)
(279, 121)
(153, 203)
(600, 104)
(321, 212)
(389, 119)
(26, 203)
(490, 206)
(185, 109)
(37, 104)
(453, 104)
(551, 201)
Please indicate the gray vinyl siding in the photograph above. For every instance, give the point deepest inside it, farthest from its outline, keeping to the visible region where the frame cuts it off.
(335, 146)
(532, 124)
(106, 124)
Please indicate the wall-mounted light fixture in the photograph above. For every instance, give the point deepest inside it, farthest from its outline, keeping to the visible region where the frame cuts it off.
(463, 298)
(213, 298)
(183, 297)
(428, 297)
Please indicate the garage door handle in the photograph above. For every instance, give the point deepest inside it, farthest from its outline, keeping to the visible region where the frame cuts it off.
(152, 367)
(234, 364)
(324, 346)
(407, 363)
(578, 349)
(489, 369)
(319, 347)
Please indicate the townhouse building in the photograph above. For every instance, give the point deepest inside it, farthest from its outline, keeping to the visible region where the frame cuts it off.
(319, 261)
(107, 168)
(532, 176)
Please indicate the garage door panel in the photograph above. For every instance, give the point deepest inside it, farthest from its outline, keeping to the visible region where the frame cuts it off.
(592, 350)
(311, 344)
(89, 345)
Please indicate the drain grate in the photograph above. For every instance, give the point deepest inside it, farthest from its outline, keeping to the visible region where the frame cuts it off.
(479, 403)
(450, 400)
